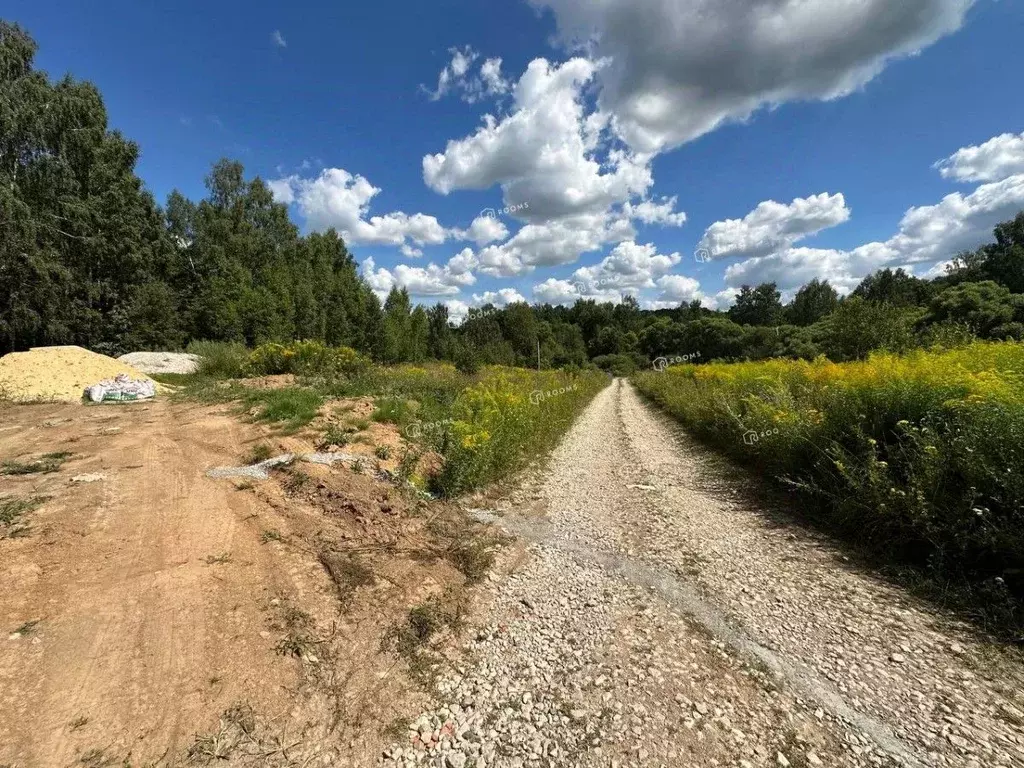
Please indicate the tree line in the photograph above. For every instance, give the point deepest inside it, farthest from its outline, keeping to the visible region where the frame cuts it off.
(88, 257)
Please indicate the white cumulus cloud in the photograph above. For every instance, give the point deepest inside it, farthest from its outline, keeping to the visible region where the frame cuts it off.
(339, 199)
(483, 230)
(772, 226)
(926, 234)
(677, 69)
(544, 153)
(458, 75)
(553, 243)
(995, 160)
(629, 266)
(429, 281)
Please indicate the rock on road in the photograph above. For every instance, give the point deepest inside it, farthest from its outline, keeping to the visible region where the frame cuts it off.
(661, 620)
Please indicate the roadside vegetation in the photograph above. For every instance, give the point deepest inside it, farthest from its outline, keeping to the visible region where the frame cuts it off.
(916, 457)
(483, 425)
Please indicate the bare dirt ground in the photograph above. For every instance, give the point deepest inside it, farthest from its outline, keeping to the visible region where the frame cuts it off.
(660, 619)
(151, 615)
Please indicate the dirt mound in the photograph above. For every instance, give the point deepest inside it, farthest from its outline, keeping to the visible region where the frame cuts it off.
(56, 373)
(161, 362)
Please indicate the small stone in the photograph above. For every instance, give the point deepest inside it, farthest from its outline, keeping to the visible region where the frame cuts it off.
(813, 759)
(781, 760)
(88, 478)
(897, 658)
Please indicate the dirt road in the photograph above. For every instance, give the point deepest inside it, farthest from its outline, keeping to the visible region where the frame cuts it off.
(154, 616)
(662, 620)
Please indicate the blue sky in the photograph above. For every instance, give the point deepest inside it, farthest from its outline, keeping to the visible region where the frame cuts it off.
(601, 113)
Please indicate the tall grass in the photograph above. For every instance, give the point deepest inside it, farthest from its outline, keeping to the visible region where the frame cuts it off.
(509, 417)
(220, 359)
(485, 425)
(917, 457)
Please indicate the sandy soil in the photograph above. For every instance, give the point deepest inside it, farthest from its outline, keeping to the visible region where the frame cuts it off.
(146, 599)
(57, 373)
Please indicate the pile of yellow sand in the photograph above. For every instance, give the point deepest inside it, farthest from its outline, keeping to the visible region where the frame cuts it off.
(56, 373)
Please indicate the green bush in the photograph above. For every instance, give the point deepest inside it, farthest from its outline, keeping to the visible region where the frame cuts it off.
(220, 359)
(306, 358)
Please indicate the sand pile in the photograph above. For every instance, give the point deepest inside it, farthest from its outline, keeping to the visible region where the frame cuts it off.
(56, 373)
(161, 362)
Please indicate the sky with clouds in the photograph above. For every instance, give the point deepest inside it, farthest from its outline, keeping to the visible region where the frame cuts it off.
(548, 150)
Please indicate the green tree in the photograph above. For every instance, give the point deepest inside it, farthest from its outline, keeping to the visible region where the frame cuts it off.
(812, 302)
(860, 326)
(78, 233)
(982, 306)
(757, 306)
(398, 344)
(894, 287)
(439, 332)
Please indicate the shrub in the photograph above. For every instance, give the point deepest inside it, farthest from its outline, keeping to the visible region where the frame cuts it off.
(220, 359)
(305, 358)
(916, 457)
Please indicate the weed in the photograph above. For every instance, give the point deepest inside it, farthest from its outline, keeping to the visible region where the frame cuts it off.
(28, 628)
(271, 535)
(78, 722)
(222, 559)
(297, 640)
(397, 729)
(45, 464)
(220, 359)
(460, 543)
(912, 458)
(395, 410)
(357, 466)
(259, 452)
(245, 485)
(347, 573)
(12, 511)
(292, 408)
(507, 418)
(295, 644)
(407, 464)
(237, 726)
(382, 452)
(425, 621)
(334, 435)
(473, 558)
(295, 480)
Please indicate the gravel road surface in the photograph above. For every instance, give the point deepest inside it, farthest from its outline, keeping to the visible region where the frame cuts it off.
(661, 619)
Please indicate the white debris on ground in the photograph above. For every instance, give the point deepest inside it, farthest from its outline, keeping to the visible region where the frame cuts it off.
(259, 471)
(121, 388)
(161, 362)
(255, 471)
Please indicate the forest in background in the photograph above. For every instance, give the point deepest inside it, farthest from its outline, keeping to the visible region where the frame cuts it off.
(88, 257)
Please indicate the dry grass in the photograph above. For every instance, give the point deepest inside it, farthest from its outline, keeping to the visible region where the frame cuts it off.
(45, 464)
(347, 573)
